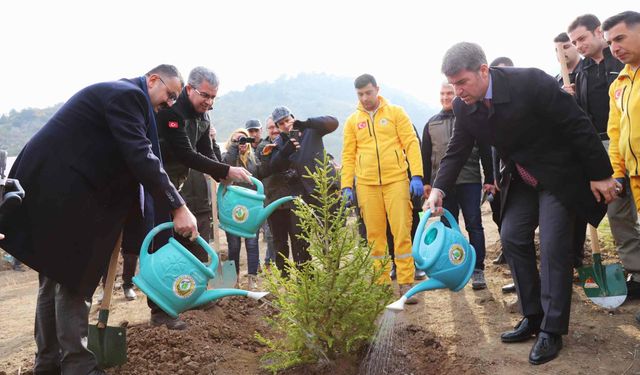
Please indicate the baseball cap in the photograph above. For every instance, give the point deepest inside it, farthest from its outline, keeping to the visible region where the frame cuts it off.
(279, 113)
(253, 124)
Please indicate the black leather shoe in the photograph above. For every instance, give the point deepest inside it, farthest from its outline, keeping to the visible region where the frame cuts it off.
(509, 288)
(523, 331)
(546, 348)
(633, 289)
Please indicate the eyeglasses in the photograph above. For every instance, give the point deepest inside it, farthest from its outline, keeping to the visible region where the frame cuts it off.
(172, 95)
(204, 95)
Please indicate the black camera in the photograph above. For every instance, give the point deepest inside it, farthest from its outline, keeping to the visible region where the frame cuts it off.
(294, 133)
(245, 140)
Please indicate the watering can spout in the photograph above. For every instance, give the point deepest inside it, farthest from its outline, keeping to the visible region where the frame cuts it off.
(267, 211)
(214, 294)
(428, 284)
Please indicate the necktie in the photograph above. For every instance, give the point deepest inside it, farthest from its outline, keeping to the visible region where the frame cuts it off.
(526, 176)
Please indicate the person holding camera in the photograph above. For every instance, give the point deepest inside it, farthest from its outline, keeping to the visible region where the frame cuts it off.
(275, 187)
(240, 154)
(297, 148)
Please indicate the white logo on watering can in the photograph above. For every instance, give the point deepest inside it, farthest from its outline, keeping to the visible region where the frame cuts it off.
(240, 214)
(184, 286)
(456, 254)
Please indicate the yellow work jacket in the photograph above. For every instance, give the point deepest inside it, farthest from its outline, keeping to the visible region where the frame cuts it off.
(624, 123)
(376, 147)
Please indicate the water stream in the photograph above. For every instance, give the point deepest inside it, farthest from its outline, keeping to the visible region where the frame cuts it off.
(382, 355)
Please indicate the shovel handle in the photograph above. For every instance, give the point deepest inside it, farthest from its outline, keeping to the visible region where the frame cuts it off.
(108, 286)
(595, 244)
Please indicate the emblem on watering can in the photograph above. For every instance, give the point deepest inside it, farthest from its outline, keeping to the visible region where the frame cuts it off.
(240, 214)
(456, 254)
(184, 286)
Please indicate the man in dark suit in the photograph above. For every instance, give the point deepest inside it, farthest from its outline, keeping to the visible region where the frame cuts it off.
(82, 173)
(556, 167)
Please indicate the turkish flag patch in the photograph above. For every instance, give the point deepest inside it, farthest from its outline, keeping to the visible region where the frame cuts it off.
(618, 93)
(173, 124)
(362, 125)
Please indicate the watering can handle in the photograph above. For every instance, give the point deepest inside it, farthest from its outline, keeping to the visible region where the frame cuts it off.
(453, 223)
(144, 250)
(259, 186)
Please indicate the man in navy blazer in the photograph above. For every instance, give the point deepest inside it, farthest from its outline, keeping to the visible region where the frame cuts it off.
(556, 167)
(82, 174)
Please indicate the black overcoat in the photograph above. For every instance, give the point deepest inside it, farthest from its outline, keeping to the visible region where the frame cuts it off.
(534, 123)
(81, 174)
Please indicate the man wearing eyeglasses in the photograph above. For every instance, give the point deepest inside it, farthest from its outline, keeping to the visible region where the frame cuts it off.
(185, 144)
(82, 173)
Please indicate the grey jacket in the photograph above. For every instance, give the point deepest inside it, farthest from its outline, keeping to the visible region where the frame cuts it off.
(435, 139)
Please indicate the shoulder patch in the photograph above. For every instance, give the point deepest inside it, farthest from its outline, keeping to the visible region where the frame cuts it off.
(618, 93)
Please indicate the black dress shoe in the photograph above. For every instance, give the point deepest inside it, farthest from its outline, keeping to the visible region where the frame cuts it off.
(633, 289)
(509, 288)
(523, 331)
(546, 348)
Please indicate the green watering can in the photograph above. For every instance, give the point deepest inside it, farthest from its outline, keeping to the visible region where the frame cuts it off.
(176, 280)
(241, 210)
(443, 254)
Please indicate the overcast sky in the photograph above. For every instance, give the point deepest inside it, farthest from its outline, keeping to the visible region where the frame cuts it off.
(51, 49)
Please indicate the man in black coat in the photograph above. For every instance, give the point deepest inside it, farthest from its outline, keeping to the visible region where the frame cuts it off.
(82, 173)
(556, 167)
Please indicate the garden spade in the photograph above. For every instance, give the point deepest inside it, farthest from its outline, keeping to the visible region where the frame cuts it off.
(605, 285)
(226, 276)
(108, 344)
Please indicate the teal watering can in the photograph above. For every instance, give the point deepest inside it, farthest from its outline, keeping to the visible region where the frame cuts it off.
(443, 254)
(241, 211)
(176, 280)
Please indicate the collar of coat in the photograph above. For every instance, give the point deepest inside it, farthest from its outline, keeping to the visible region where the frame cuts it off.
(500, 87)
(184, 107)
(383, 103)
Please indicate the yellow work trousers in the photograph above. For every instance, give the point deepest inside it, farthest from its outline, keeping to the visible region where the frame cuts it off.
(377, 204)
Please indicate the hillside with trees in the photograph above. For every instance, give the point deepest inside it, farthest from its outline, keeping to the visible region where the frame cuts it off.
(307, 95)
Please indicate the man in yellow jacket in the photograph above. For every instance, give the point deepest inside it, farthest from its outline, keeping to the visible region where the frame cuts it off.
(622, 32)
(379, 139)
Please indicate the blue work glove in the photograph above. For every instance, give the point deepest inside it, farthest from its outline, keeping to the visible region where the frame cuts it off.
(415, 187)
(347, 195)
(621, 181)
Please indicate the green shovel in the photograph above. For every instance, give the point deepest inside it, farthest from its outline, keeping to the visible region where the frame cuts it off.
(108, 344)
(604, 285)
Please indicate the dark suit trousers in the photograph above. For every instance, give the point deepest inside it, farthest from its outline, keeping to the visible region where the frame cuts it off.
(61, 330)
(548, 293)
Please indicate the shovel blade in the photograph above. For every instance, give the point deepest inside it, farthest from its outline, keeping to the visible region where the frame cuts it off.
(226, 277)
(109, 345)
(604, 285)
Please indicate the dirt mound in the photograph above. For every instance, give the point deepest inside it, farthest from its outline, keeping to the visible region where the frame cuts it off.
(219, 340)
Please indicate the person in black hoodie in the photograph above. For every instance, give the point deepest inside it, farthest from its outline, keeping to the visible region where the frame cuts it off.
(298, 147)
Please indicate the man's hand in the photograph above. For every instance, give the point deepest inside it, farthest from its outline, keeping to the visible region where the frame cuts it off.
(238, 174)
(434, 202)
(1, 236)
(490, 188)
(571, 89)
(347, 195)
(295, 143)
(427, 191)
(184, 223)
(607, 189)
(415, 186)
